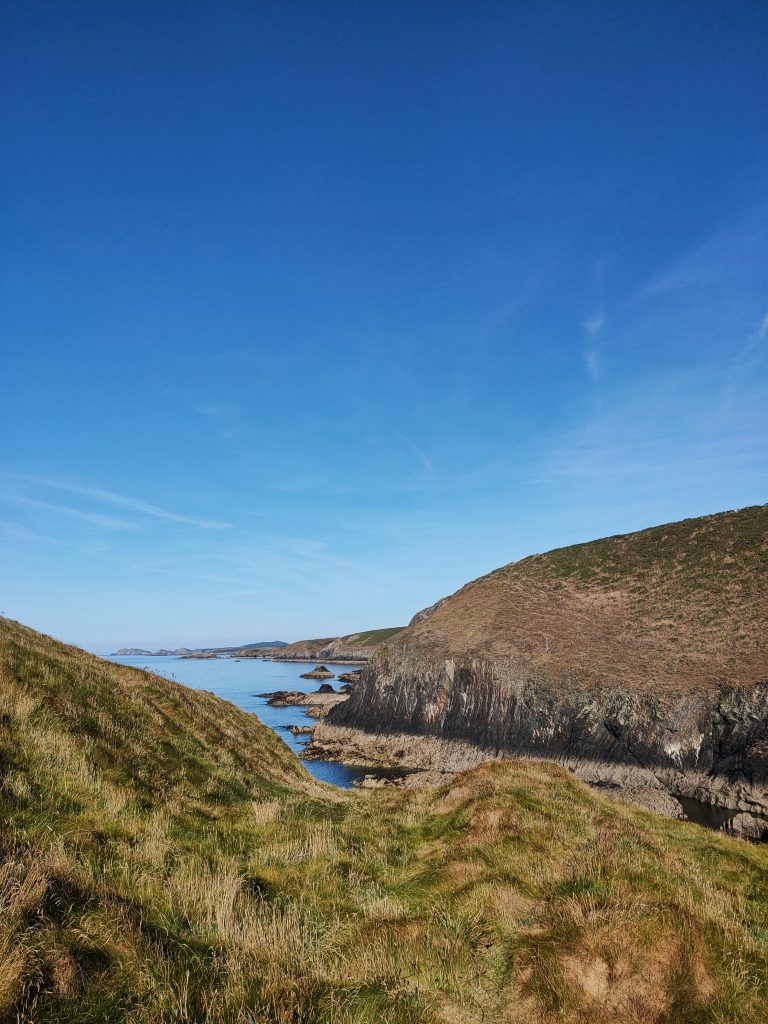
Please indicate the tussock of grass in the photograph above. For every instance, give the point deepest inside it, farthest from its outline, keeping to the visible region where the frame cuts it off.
(163, 858)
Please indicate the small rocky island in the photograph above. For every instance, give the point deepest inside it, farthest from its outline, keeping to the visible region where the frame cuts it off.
(318, 672)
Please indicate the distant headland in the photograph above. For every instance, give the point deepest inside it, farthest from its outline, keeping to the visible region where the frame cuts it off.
(139, 652)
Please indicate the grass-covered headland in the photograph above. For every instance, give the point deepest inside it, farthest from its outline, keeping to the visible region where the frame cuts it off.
(164, 857)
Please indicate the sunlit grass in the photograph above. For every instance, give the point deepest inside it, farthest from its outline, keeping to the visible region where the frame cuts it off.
(164, 858)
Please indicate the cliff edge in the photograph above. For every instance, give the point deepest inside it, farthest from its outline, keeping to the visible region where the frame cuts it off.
(640, 661)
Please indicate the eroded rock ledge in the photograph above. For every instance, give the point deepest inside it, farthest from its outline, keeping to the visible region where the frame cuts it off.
(650, 748)
(317, 704)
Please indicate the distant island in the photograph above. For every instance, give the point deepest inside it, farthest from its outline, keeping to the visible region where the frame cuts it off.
(127, 652)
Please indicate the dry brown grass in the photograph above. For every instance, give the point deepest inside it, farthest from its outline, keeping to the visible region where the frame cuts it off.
(672, 608)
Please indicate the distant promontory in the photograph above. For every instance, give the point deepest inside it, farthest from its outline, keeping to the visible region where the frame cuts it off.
(140, 652)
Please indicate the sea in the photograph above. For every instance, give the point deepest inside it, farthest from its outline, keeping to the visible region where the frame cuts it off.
(241, 681)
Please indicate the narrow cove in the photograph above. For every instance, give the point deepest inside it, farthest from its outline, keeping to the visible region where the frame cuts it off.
(241, 681)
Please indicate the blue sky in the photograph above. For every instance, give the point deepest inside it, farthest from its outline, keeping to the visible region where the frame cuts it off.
(313, 312)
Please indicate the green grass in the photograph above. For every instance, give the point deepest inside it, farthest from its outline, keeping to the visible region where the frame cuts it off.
(372, 637)
(368, 638)
(692, 552)
(164, 858)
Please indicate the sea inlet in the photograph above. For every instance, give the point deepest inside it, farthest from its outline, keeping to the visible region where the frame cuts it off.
(240, 681)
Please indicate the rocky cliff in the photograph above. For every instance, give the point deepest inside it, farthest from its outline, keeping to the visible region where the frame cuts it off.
(639, 661)
(354, 647)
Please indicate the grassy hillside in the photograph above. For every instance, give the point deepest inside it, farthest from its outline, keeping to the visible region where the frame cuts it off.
(164, 858)
(371, 637)
(338, 646)
(681, 606)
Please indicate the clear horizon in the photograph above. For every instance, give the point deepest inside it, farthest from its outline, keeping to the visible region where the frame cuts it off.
(315, 312)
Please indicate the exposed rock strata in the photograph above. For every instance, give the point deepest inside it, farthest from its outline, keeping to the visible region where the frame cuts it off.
(317, 704)
(713, 748)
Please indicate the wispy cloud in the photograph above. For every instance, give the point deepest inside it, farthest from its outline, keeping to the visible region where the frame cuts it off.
(101, 495)
(734, 251)
(423, 458)
(225, 419)
(666, 431)
(96, 518)
(593, 329)
(18, 532)
(746, 362)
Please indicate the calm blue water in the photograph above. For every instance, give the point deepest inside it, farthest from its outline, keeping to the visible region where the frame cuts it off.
(240, 681)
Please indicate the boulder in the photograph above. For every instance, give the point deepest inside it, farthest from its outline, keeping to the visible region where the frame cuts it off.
(747, 826)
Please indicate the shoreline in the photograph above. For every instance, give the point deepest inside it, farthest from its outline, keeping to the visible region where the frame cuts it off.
(686, 796)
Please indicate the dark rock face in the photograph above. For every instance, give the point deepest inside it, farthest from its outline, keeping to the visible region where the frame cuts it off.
(710, 746)
(325, 688)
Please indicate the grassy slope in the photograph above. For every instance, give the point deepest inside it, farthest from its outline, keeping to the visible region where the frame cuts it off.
(372, 637)
(164, 858)
(680, 606)
(369, 638)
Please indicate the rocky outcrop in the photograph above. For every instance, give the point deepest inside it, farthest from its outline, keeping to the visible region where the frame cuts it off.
(349, 678)
(427, 613)
(405, 780)
(713, 748)
(318, 672)
(747, 826)
(317, 705)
